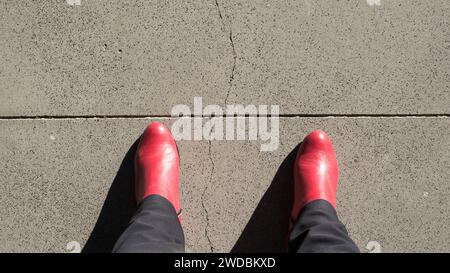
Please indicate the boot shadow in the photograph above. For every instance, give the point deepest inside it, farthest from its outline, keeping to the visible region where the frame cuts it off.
(268, 227)
(118, 208)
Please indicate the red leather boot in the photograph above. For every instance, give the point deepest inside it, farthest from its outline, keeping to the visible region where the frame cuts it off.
(157, 166)
(315, 172)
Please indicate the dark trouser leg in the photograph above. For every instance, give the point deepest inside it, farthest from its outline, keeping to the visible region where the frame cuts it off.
(154, 228)
(318, 229)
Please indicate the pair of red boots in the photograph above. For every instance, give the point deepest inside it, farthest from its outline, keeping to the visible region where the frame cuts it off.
(157, 168)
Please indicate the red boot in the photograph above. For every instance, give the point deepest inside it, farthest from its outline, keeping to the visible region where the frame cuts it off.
(157, 165)
(315, 172)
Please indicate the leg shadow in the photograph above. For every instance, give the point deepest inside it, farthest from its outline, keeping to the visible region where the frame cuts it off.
(118, 208)
(267, 229)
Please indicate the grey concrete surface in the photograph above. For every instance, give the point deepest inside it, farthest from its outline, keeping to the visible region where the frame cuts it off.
(78, 83)
(56, 174)
(393, 185)
(141, 58)
(342, 56)
(110, 57)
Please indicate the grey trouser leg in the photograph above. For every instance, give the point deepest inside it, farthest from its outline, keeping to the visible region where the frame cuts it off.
(154, 228)
(318, 229)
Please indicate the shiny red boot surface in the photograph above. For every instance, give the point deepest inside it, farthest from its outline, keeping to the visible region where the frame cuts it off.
(315, 172)
(157, 165)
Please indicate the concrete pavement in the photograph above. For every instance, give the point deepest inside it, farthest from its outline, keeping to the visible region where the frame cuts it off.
(56, 175)
(79, 84)
(140, 58)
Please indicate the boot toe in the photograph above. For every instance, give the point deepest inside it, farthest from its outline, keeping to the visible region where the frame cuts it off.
(317, 137)
(316, 140)
(157, 129)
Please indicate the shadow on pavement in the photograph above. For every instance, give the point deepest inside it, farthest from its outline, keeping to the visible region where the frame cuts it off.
(118, 208)
(267, 229)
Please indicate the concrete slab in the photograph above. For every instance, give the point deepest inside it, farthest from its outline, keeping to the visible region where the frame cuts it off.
(140, 58)
(393, 184)
(110, 57)
(341, 57)
(63, 179)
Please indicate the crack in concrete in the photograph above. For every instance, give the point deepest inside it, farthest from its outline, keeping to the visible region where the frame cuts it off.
(230, 37)
(203, 198)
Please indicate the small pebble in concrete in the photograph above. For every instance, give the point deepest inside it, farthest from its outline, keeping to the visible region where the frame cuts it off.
(52, 137)
(374, 2)
(73, 2)
(373, 247)
(425, 194)
(73, 247)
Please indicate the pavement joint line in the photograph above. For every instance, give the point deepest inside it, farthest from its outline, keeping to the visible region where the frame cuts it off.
(74, 117)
